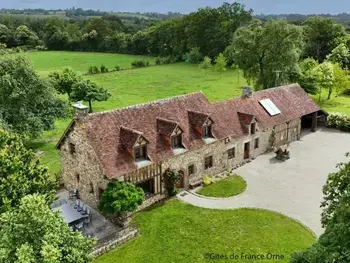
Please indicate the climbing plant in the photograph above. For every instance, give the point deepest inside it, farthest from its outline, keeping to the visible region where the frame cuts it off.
(171, 178)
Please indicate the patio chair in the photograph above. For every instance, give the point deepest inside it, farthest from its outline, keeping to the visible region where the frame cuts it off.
(73, 194)
(76, 206)
(87, 219)
(81, 206)
(84, 212)
(79, 226)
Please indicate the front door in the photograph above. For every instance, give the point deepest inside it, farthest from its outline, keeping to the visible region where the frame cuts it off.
(247, 150)
(180, 184)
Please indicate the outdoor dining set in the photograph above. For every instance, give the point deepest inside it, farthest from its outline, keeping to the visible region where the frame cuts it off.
(76, 214)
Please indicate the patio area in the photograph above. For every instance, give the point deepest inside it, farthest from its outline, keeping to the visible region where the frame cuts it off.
(98, 227)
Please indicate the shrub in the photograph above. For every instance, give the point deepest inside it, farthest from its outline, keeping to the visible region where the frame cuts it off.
(93, 70)
(140, 63)
(195, 56)
(166, 60)
(172, 177)
(117, 68)
(40, 48)
(338, 121)
(207, 180)
(104, 69)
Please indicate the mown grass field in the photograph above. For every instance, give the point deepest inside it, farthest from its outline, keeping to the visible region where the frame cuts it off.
(135, 86)
(48, 61)
(178, 232)
(227, 187)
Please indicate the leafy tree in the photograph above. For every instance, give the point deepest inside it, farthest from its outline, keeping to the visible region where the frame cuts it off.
(341, 55)
(206, 64)
(28, 104)
(139, 43)
(21, 173)
(325, 75)
(322, 35)
(35, 233)
(24, 36)
(65, 80)
(58, 40)
(120, 198)
(334, 244)
(220, 64)
(260, 51)
(89, 91)
(5, 35)
(308, 78)
(341, 79)
(195, 55)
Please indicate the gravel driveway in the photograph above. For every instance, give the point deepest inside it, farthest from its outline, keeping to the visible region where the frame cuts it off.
(294, 187)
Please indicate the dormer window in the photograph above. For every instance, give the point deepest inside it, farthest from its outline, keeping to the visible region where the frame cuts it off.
(207, 129)
(176, 141)
(253, 128)
(140, 150)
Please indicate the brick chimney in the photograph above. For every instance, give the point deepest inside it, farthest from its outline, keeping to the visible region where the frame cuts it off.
(247, 92)
(81, 111)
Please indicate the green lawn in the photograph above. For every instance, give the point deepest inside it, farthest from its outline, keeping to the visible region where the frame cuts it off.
(178, 232)
(227, 187)
(47, 61)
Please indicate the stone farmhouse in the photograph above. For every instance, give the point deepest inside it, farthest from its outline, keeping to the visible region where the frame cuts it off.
(186, 133)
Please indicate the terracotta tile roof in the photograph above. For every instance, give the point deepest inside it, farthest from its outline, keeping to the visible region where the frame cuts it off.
(128, 137)
(153, 119)
(197, 118)
(166, 127)
(245, 119)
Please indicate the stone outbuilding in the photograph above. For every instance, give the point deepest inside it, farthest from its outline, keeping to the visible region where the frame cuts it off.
(185, 133)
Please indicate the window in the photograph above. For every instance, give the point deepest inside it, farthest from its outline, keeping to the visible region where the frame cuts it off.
(231, 153)
(208, 162)
(207, 131)
(72, 148)
(191, 169)
(253, 128)
(92, 191)
(77, 176)
(256, 144)
(176, 141)
(140, 153)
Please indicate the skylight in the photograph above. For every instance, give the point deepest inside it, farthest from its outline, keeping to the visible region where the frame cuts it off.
(270, 107)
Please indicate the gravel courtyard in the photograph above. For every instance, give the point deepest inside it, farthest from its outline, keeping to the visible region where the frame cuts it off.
(294, 187)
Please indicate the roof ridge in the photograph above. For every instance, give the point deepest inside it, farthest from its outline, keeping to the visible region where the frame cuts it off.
(167, 120)
(131, 130)
(155, 102)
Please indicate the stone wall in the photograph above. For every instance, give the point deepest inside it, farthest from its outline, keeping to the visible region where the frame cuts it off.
(81, 169)
(218, 149)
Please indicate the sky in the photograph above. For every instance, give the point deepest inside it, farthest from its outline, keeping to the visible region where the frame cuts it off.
(187, 6)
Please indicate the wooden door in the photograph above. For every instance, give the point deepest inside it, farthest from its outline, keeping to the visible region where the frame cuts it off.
(247, 150)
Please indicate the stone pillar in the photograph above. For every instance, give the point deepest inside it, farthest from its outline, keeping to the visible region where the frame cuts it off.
(314, 122)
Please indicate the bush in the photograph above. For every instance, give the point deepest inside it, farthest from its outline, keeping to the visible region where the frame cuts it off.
(207, 180)
(338, 121)
(195, 56)
(140, 64)
(166, 60)
(104, 69)
(117, 68)
(40, 48)
(171, 177)
(93, 70)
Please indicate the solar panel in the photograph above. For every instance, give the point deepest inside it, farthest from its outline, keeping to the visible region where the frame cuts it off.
(270, 107)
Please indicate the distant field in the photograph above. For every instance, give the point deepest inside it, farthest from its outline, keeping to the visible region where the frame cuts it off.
(48, 61)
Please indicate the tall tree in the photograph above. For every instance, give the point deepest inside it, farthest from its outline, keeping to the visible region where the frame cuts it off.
(341, 79)
(341, 55)
(65, 80)
(261, 51)
(205, 64)
(89, 91)
(35, 233)
(28, 104)
(334, 244)
(21, 173)
(322, 35)
(220, 64)
(24, 36)
(308, 78)
(325, 73)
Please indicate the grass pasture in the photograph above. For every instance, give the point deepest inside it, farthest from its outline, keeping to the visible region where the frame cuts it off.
(48, 61)
(178, 232)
